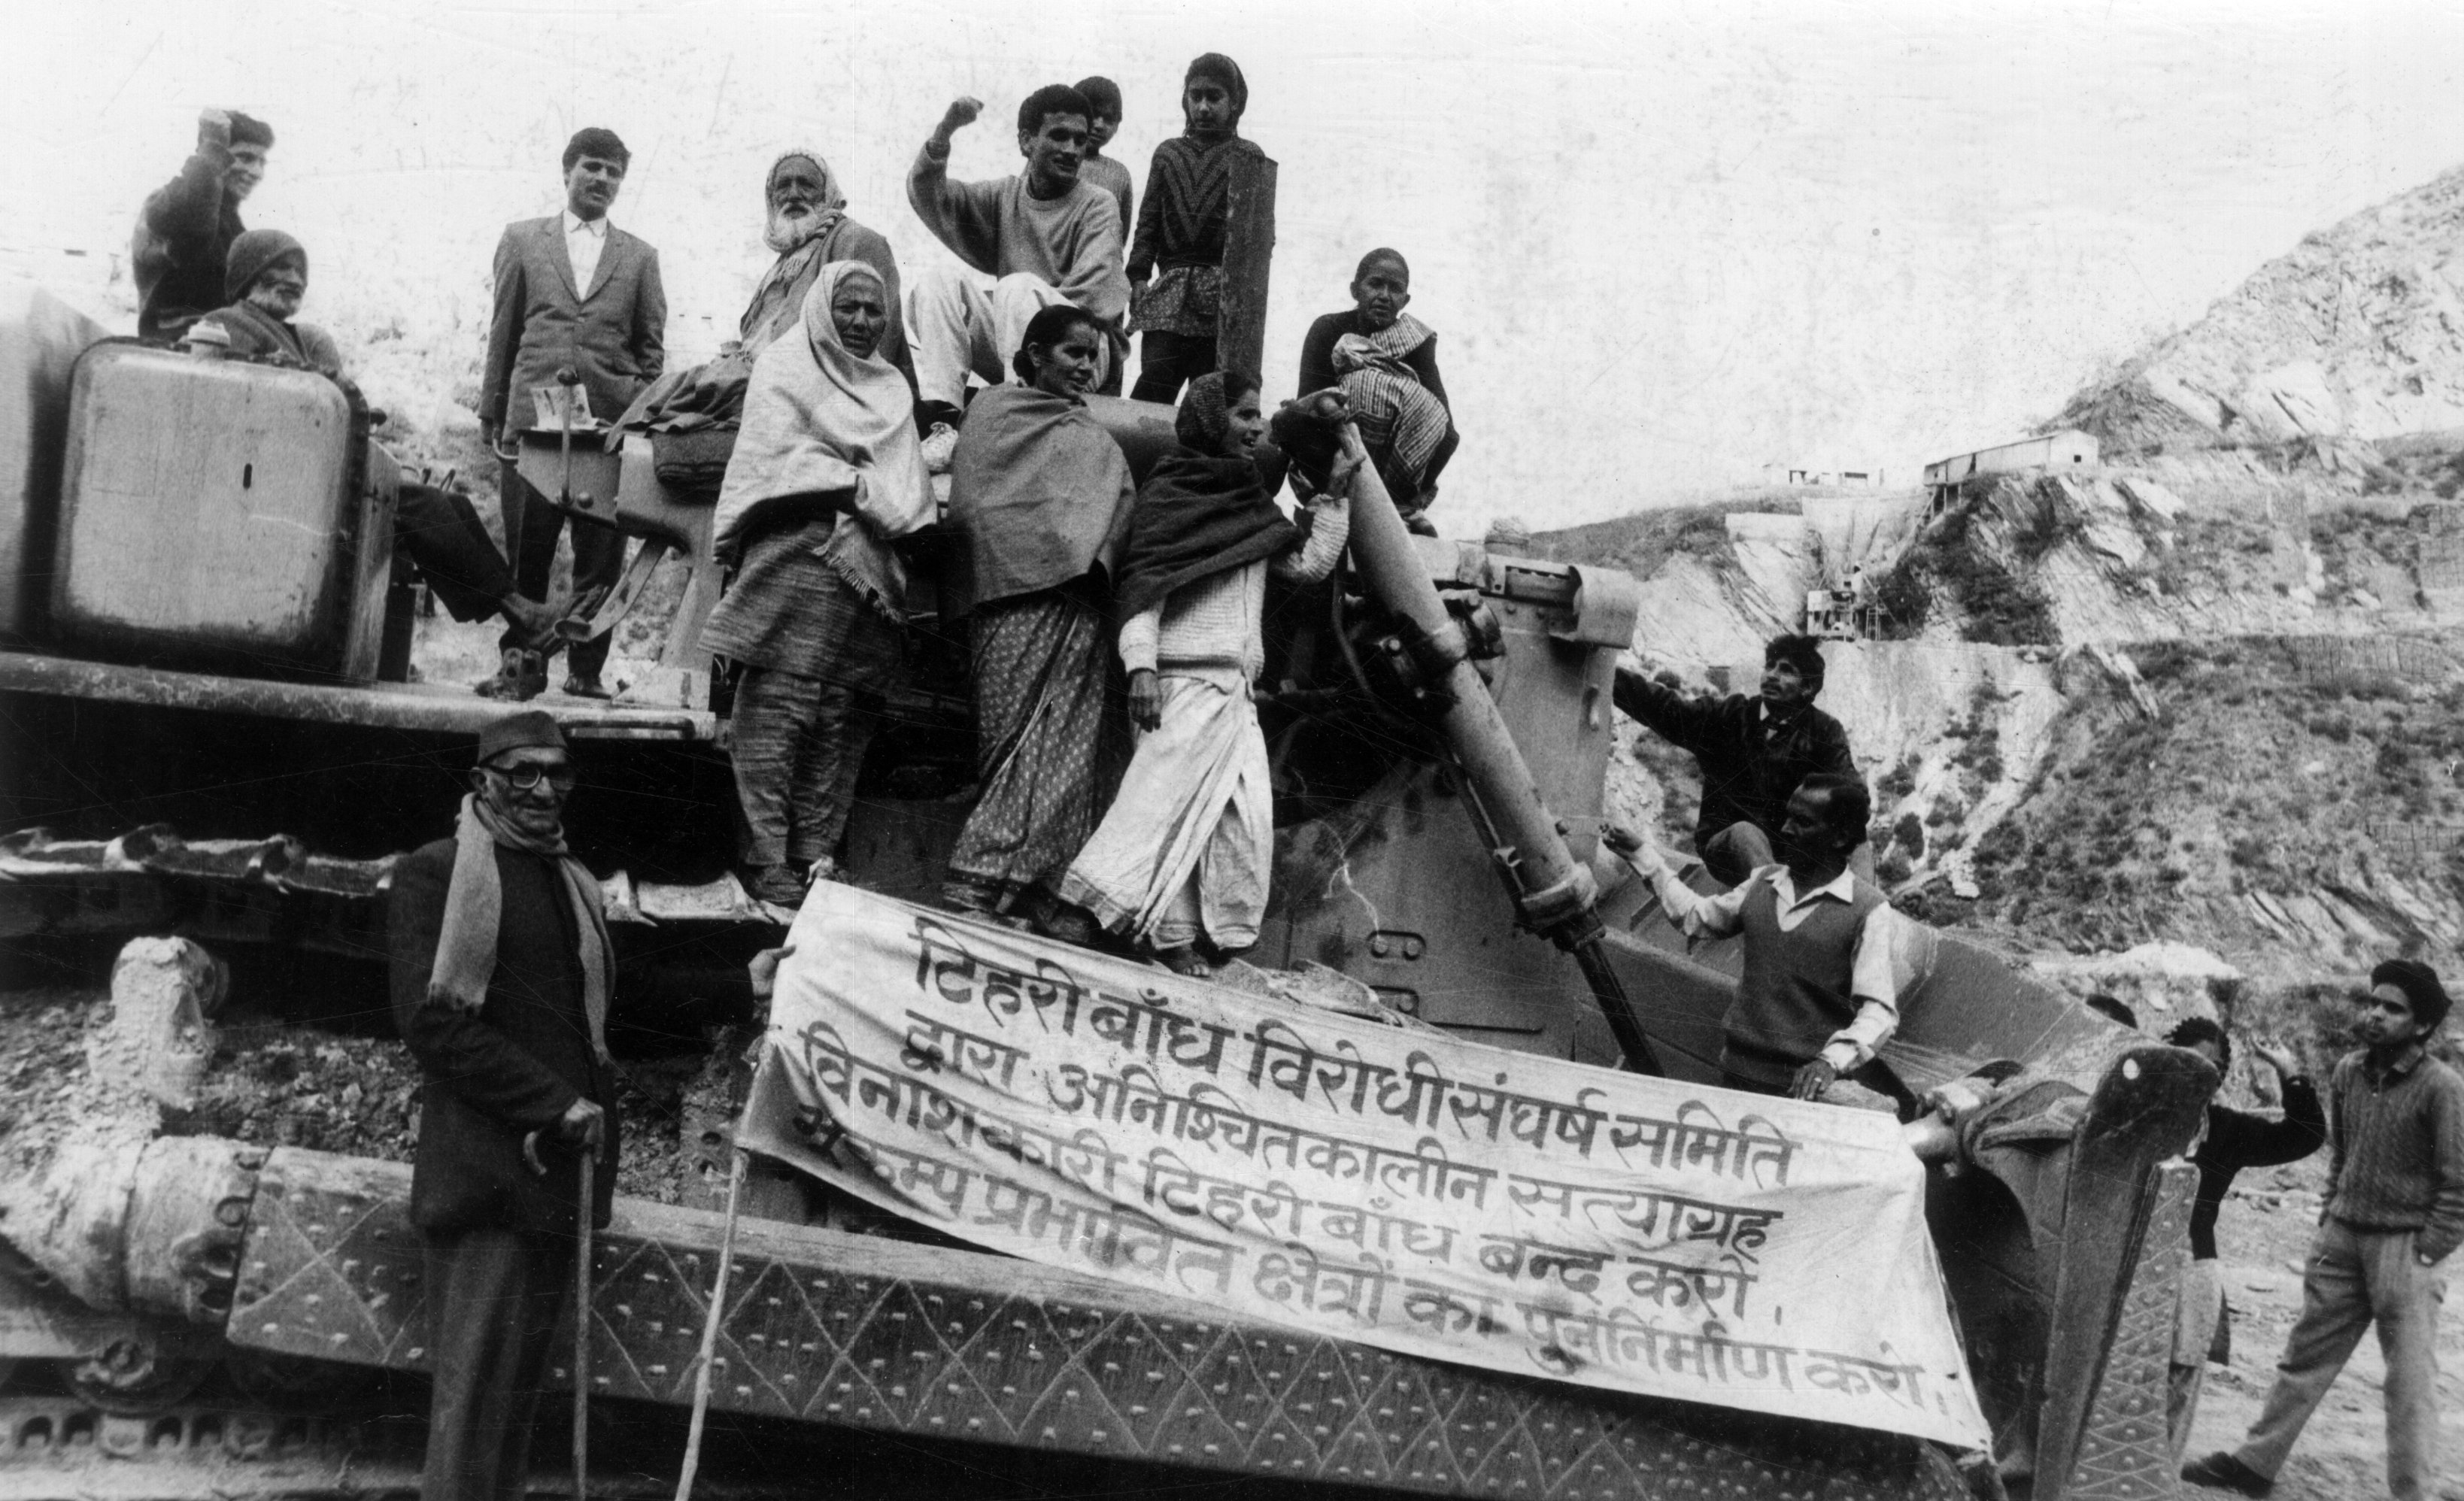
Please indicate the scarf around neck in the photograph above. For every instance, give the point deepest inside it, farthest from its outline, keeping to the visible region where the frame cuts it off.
(475, 901)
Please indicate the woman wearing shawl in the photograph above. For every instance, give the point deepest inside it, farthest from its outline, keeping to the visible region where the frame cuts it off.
(1183, 854)
(827, 471)
(1182, 228)
(1039, 496)
(806, 227)
(1385, 362)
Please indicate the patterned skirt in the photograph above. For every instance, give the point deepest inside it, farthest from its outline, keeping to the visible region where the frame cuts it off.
(1039, 693)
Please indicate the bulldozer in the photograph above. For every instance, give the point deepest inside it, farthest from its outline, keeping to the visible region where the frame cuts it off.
(211, 738)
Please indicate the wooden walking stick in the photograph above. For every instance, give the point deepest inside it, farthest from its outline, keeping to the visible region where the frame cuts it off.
(582, 1325)
(710, 1330)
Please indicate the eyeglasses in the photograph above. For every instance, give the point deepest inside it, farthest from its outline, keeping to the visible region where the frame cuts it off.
(528, 776)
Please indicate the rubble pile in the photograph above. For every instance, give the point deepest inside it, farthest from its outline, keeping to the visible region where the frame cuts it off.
(274, 1086)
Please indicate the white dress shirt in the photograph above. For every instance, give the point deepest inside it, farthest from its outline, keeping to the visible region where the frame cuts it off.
(1892, 952)
(583, 240)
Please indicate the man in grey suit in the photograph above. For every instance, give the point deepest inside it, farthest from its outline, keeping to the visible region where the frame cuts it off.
(571, 290)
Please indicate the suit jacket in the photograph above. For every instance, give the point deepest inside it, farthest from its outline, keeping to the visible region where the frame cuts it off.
(611, 333)
(514, 1066)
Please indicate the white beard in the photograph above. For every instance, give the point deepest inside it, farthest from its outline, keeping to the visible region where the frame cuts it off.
(790, 232)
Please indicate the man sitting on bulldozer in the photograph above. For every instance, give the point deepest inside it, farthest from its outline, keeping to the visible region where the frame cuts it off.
(437, 529)
(1826, 958)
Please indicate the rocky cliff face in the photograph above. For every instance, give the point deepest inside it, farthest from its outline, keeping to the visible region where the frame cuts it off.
(2352, 334)
(2205, 709)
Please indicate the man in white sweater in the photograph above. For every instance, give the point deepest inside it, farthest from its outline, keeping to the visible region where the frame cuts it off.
(1182, 857)
(1047, 236)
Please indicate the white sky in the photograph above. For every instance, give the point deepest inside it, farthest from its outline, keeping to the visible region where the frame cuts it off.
(1663, 245)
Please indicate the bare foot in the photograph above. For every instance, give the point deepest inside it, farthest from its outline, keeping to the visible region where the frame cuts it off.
(1183, 960)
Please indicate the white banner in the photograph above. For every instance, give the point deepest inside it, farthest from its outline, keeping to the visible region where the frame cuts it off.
(1411, 1191)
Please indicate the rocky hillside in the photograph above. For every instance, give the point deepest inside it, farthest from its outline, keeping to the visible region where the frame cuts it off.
(2190, 719)
(2352, 334)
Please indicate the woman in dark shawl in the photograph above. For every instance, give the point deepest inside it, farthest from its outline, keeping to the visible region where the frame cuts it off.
(1181, 229)
(1039, 497)
(827, 473)
(1183, 854)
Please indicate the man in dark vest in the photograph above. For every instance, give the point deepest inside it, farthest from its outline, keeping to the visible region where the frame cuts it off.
(502, 976)
(1826, 958)
(1752, 752)
(185, 232)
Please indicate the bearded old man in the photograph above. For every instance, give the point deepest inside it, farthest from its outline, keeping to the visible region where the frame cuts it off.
(807, 228)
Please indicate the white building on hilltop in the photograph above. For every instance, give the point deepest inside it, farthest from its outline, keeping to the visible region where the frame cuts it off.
(2053, 450)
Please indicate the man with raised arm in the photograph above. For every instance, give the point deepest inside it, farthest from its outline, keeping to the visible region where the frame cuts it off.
(1753, 752)
(185, 229)
(1046, 235)
(1826, 958)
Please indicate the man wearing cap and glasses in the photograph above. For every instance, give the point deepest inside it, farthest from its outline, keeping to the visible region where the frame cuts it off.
(501, 979)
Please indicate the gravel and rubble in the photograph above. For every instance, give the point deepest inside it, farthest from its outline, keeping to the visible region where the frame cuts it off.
(273, 1084)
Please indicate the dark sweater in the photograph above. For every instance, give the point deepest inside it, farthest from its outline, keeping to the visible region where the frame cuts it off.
(2237, 1140)
(183, 245)
(515, 1066)
(2399, 1150)
(1749, 769)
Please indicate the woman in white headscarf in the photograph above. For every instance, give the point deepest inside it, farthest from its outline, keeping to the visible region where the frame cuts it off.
(827, 473)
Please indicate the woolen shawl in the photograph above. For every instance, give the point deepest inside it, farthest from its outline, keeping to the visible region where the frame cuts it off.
(1039, 492)
(818, 420)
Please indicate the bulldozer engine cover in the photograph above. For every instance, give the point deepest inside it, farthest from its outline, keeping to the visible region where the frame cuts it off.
(216, 513)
